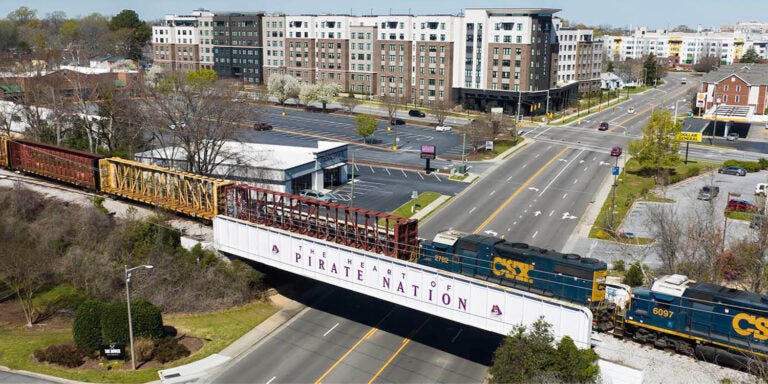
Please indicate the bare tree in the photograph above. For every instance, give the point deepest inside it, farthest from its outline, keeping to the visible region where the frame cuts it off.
(479, 131)
(667, 228)
(440, 109)
(391, 103)
(119, 128)
(192, 116)
(350, 102)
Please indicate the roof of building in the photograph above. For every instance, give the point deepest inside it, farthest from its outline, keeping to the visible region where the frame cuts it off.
(516, 11)
(277, 157)
(754, 74)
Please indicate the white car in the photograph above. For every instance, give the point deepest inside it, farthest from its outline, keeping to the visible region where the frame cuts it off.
(631, 110)
(442, 128)
(733, 136)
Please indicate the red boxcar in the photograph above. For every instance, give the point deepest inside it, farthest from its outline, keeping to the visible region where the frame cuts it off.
(62, 164)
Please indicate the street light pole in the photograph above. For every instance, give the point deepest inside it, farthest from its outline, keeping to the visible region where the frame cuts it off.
(547, 110)
(128, 299)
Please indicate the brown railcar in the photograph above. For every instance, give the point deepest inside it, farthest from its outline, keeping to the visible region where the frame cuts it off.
(63, 164)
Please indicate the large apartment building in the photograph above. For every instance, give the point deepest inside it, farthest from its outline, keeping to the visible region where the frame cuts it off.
(580, 58)
(484, 58)
(179, 42)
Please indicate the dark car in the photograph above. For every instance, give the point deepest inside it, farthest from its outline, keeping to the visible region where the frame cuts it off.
(616, 151)
(708, 192)
(397, 122)
(262, 127)
(603, 126)
(733, 170)
(416, 113)
(738, 205)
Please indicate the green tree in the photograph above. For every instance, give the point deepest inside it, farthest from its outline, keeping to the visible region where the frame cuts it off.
(659, 145)
(635, 276)
(524, 355)
(22, 15)
(131, 33)
(573, 365)
(651, 69)
(69, 30)
(365, 125)
(750, 56)
(201, 78)
(609, 67)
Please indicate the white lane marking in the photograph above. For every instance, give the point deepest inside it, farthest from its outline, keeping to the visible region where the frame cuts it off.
(524, 165)
(472, 210)
(565, 195)
(457, 335)
(419, 173)
(537, 213)
(551, 213)
(534, 235)
(542, 132)
(537, 155)
(514, 223)
(329, 331)
(576, 181)
(372, 171)
(509, 229)
(406, 176)
(492, 192)
(270, 380)
(560, 173)
(437, 177)
(585, 169)
(509, 178)
(388, 173)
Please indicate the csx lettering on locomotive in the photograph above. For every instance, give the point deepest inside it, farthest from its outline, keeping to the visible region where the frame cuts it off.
(513, 270)
(745, 324)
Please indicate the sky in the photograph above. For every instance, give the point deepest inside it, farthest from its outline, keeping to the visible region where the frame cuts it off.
(655, 14)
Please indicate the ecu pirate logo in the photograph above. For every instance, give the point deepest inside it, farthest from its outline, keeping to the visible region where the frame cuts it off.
(496, 310)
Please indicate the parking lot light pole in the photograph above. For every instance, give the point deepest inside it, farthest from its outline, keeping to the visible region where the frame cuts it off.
(683, 100)
(128, 299)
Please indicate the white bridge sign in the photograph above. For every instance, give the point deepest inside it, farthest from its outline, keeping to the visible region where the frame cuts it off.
(454, 297)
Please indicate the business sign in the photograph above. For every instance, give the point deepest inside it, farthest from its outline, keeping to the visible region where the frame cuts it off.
(428, 152)
(689, 136)
(112, 351)
(448, 295)
(701, 99)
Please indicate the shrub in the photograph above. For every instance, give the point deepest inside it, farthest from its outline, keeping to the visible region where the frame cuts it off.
(86, 327)
(169, 349)
(147, 320)
(63, 297)
(634, 277)
(619, 266)
(763, 163)
(143, 348)
(114, 323)
(66, 355)
(749, 166)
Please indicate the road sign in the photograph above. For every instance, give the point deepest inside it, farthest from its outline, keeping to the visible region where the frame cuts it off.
(615, 170)
(689, 136)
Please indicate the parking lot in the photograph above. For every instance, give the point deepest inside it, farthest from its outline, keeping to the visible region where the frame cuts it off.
(688, 207)
(384, 189)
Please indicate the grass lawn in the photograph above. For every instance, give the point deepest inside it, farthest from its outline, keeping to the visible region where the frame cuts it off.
(217, 329)
(499, 147)
(631, 187)
(422, 201)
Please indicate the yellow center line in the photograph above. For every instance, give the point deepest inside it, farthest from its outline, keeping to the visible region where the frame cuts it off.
(405, 342)
(522, 187)
(627, 120)
(365, 337)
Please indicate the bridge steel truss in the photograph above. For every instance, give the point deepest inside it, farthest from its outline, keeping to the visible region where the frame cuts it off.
(178, 191)
(355, 227)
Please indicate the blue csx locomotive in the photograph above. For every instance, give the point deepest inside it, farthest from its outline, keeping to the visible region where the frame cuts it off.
(566, 277)
(719, 324)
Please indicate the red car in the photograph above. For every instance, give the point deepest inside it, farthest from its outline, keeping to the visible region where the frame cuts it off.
(737, 205)
(262, 127)
(603, 126)
(616, 151)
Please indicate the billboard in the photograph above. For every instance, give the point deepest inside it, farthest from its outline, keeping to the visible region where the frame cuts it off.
(428, 152)
(689, 136)
(451, 296)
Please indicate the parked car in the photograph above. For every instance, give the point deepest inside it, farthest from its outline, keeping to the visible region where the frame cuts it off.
(733, 136)
(616, 151)
(262, 127)
(738, 205)
(442, 128)
(733, 170)
(416, 113)
(397, 122)
(708, 192)
(317, 195)
(761, 189)
(603, 126)
(758, 221)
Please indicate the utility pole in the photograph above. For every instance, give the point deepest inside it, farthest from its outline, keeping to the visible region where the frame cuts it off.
(464, 145)
(547, 109)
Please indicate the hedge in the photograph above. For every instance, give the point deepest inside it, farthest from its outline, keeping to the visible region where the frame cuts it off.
(147, 320)
(114, 323)
(86, 327)
(749, 166)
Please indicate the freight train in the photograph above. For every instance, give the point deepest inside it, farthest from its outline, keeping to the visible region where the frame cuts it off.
(719, 324)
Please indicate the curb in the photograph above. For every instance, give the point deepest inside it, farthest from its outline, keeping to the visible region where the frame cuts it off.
(40, 376)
